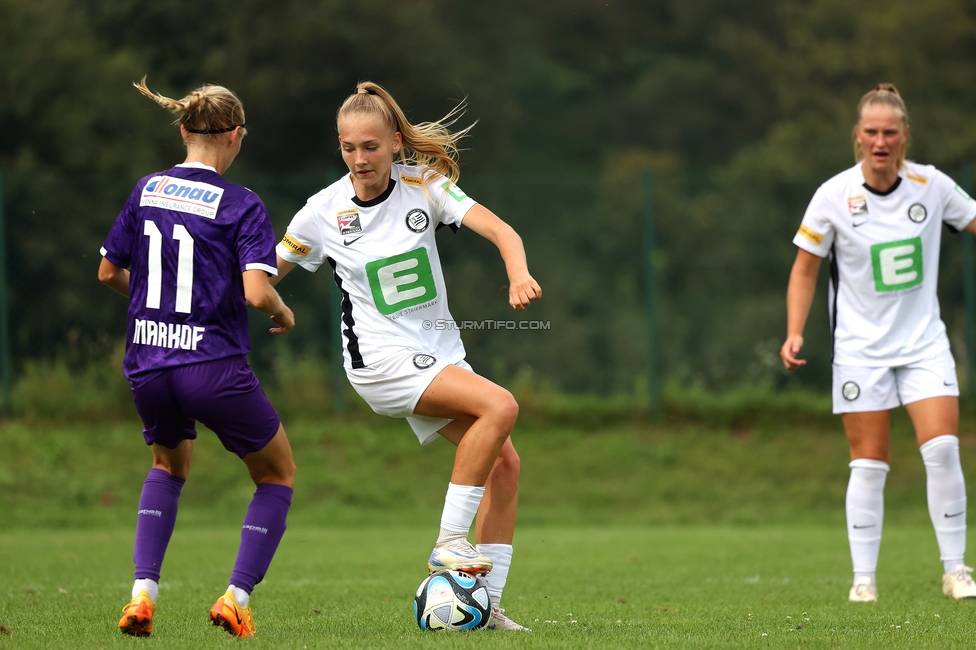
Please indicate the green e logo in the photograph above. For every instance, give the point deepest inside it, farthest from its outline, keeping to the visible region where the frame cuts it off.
(897, 265)
(401, 281)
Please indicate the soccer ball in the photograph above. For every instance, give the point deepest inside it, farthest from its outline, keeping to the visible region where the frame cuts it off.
(452, 600)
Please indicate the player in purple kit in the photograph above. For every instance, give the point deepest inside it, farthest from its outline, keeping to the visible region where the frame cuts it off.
(191, 250)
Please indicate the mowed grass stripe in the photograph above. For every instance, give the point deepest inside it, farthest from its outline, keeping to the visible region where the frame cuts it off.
(577, 587)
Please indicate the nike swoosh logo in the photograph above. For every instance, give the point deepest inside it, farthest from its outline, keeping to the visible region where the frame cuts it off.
(947, 515)
(858, 225)
(346, 242)
(860, 527)
(948, 383)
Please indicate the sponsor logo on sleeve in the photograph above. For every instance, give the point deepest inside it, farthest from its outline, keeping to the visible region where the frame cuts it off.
(294, 246)
(897, 265)
(348, 221)
(917, 213)
(850, 391)
(454, 191)
(815, 237)
(963, 193)
(417, 220)
(412, 180)
(921, 180)
(179, 195)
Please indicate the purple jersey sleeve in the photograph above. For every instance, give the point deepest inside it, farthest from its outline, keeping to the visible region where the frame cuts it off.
(117, 248)
(256, 239)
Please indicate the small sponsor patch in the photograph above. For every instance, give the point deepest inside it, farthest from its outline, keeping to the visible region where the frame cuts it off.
(963, 193)
(411, 180)
(815, 237)
(456, 193)
(348, 221)
(417, 220)
(423, 361)
(917, 213)
(857, 206)
(918, 179)
(179, 195)
(294, 246)
(850, 391)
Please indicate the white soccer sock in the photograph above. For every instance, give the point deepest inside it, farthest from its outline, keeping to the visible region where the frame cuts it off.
(241, 596)
(148, 585)
(501, 559)
(460, 507)
(947, 498)
(865, 514)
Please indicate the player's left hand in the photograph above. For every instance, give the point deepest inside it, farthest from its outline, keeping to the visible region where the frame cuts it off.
(523, 290)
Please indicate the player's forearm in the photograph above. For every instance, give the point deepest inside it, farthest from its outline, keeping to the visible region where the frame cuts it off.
(513, 253)
(799, 299)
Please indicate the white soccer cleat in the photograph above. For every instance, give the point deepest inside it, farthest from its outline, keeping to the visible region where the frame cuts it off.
(863, 591)
(459, 555)
(501, 622)
(959, 584)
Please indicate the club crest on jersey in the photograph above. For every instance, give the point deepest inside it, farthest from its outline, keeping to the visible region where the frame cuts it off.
(349, 222)
(917, 213)
(423, 361)
(417, 220)
(179, 195)
(850, 391)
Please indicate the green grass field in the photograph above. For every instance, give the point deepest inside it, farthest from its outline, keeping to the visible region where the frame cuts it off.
(686, 535)
(577, 587)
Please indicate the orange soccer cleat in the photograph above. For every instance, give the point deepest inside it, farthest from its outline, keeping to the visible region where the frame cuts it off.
(237, 620)
(137, 615)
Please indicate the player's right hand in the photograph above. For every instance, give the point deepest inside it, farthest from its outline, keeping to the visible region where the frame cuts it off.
(790, 349)
(285, 321)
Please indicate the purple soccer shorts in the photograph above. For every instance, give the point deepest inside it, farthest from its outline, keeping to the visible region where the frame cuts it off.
(224, 395)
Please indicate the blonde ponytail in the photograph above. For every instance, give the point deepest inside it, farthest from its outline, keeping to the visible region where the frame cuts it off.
(427, 144)
(208, 110)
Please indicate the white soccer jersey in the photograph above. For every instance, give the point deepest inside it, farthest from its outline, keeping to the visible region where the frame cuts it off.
(384, 257)
(884, 252)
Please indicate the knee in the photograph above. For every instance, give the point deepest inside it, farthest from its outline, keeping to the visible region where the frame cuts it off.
(507, 468)
(504, 411)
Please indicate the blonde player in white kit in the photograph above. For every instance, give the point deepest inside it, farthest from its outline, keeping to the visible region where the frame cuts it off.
(880, 224)
(375, 228)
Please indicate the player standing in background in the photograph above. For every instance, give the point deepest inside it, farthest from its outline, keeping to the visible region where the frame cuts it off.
(880, 223)
(375, 228)
(188, 249)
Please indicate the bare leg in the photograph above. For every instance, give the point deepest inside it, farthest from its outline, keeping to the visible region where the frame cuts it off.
(499, 506)
(274, 463)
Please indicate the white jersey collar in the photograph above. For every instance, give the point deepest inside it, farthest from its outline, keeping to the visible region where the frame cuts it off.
(196, 165)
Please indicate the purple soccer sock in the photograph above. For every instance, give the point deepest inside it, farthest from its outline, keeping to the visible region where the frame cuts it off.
(157, 517)
(264, 524)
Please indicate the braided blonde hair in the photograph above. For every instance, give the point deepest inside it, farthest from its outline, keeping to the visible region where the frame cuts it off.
(886, 95)
(209, 110)
(427, 144)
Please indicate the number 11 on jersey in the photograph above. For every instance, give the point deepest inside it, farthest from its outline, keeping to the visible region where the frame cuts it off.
(184, 267)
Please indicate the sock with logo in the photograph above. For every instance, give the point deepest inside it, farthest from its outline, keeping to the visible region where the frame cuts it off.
(501, 559)
(157, 518)
(264, 525)
(865, 514)
(460, 507)
(947, 498)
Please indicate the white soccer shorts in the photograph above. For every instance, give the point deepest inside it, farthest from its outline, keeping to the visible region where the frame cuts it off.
(393, 386)
(858, 389)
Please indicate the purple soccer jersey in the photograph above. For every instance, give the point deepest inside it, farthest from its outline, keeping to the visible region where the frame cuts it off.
(186, 235)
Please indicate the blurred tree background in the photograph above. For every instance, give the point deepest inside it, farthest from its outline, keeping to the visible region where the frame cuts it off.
(740, 109)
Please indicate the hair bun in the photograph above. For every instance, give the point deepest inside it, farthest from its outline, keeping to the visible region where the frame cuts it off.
(888, 88)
